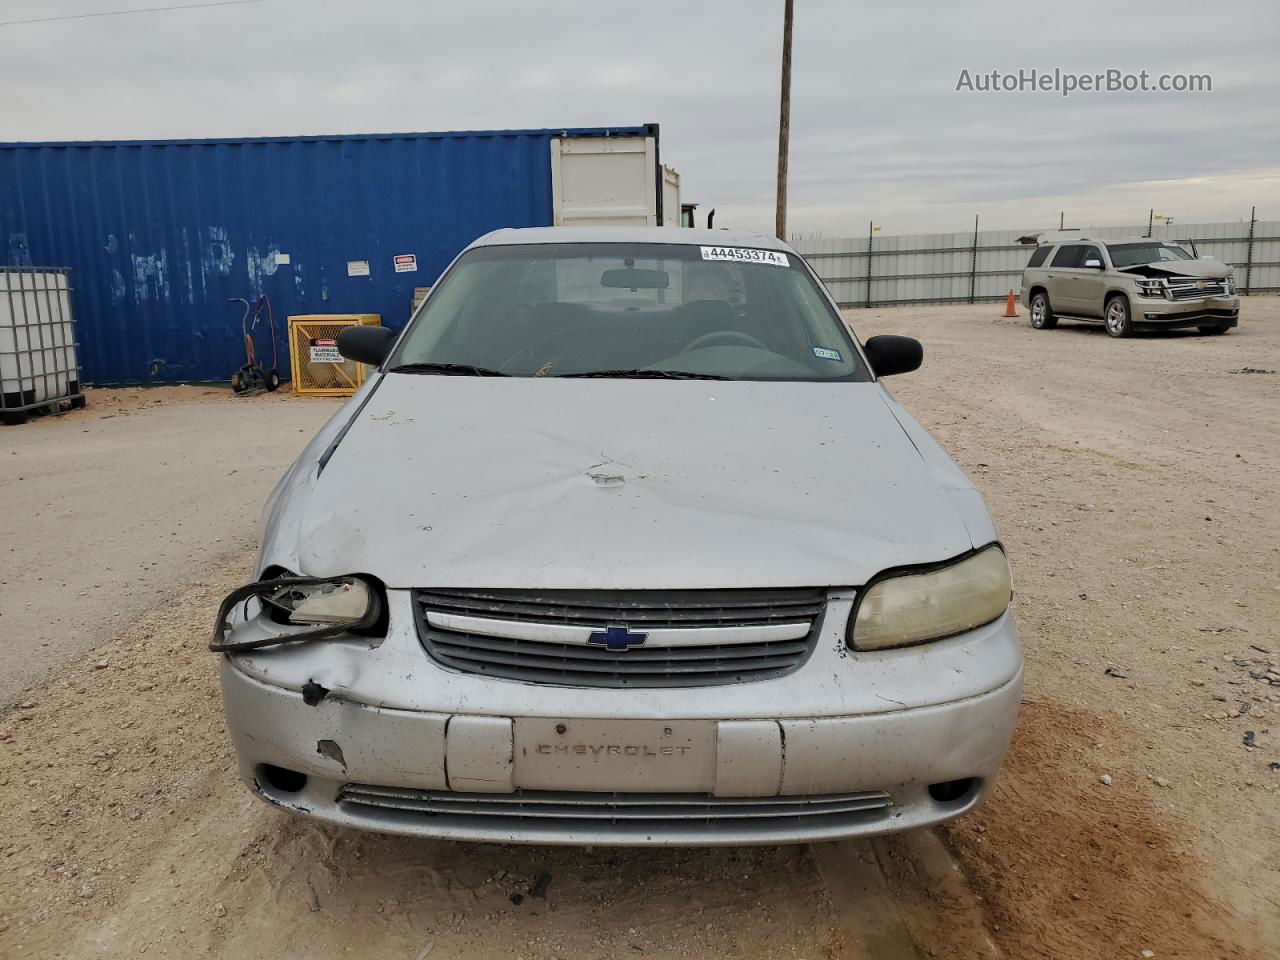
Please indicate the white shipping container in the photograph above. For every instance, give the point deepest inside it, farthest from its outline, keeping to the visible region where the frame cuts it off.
(607, 180)
(670, 197)
(38, 360)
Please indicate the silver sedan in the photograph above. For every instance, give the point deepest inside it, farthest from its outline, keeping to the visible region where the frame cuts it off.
(624, 542)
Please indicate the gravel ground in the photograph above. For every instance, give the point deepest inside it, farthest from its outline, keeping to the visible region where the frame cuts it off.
(106, 508)
(1134, 484)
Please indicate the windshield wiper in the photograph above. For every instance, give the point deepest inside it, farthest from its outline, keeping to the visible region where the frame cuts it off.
(454, 369)
(647, 375)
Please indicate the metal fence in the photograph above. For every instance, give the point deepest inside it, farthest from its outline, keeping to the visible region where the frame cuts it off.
(876, 270)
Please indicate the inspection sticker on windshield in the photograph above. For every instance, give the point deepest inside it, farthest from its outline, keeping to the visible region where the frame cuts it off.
(745, 255)
(826, 353)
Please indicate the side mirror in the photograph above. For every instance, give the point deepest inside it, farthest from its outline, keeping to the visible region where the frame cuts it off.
(366, 344)
(1093, 264)
(890, 355)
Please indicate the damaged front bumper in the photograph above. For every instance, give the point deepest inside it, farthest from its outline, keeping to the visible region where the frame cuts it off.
(851, 744)
(1166, 314)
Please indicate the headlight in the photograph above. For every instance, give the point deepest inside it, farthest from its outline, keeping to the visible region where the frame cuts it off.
(343, 601)
(908, 608)
(330, 606)
(1151, 288)
(1229, 286)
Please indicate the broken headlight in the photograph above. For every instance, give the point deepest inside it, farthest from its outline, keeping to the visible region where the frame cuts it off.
(911, 607)
(1151, 288)
(328, 606)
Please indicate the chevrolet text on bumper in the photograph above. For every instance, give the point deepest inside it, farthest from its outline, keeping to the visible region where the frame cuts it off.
(635, 550)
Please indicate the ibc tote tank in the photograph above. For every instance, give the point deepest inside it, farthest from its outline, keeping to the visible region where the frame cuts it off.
(38, 362)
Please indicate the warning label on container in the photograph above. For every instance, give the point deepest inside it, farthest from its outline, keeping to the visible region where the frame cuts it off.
(325, 350)
(406, 263)
(357, 268)
(745, 255)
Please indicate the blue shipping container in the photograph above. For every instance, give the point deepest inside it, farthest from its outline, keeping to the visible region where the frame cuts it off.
(160, 233)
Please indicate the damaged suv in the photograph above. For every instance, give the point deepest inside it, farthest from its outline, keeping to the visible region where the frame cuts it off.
(624, 542)
(1127, 285)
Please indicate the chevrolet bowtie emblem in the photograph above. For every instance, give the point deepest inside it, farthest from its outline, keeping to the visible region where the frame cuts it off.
(617, 638)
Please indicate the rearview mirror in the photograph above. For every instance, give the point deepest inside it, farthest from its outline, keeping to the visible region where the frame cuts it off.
(632, 278)
(366, 344)
(890, 354)
(1093, 264)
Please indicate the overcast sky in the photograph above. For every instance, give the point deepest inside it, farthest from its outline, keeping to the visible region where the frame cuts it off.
(878, 129)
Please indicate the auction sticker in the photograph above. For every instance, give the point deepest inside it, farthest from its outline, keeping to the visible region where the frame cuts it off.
(325, 350)
(826, 353)
(746, 255)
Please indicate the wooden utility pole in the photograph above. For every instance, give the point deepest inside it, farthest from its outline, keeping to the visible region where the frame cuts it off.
(784, 121)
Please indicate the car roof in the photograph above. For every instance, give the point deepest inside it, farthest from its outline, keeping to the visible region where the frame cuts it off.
(1084, 238)
(627, 234)
(1170, 240)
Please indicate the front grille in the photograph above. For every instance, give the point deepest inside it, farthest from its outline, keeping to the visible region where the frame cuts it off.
(671, 813)
(1184, 288)
(696, 663)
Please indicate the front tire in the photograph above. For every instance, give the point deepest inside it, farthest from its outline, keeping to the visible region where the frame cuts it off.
(1117, 317)
(1214, 330)
(1042, 317)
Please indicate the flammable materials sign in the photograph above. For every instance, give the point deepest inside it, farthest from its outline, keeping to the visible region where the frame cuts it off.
(325, 350)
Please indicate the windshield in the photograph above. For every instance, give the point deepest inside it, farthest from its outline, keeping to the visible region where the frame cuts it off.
(1132, 254)
(616, 309)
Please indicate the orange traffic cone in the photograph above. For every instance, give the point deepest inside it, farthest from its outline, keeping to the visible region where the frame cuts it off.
(1010, 310)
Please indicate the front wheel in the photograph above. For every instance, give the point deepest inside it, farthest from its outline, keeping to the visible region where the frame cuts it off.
(1117, 317)
(1042, 317)
(1214, 329)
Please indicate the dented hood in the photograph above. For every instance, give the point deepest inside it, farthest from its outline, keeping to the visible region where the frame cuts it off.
(1208, 269)
(569, 483)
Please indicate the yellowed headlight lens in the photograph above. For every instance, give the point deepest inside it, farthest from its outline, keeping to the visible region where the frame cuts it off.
(916, 607)
(344, 600)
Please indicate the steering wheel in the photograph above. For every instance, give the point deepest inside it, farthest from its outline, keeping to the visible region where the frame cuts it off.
(725, 336)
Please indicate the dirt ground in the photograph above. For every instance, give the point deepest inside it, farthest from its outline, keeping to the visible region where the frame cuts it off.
(1134, 484)
(106, 506)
